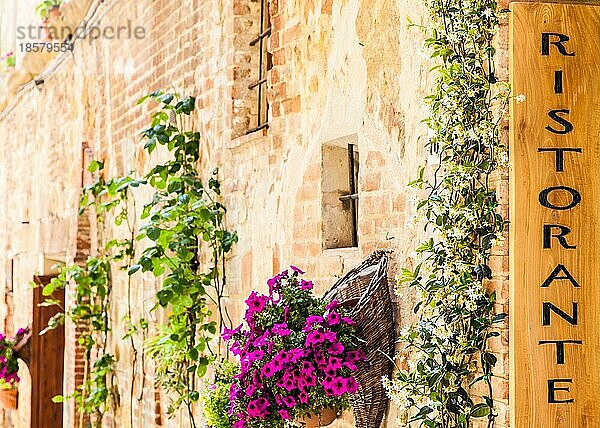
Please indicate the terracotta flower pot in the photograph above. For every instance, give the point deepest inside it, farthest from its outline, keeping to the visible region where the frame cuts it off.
(326, 418)
(9, 398)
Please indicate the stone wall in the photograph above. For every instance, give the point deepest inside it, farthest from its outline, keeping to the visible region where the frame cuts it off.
(341, 70)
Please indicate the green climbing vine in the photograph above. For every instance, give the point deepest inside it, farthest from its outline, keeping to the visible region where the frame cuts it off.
(188, 245)
(447, 350)
(93, 288)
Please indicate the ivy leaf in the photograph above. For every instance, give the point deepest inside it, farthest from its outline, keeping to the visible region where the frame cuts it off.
(480, 410)
(187, 302)
(133, 269)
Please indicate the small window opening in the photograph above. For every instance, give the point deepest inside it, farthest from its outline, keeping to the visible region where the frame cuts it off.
(340, 194)
(265, 63)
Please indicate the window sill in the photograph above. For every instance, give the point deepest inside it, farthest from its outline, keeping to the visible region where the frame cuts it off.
(242, 140)
(342, 251)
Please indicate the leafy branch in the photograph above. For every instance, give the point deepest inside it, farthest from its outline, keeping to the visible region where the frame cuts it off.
(447, 349)
(188, 245)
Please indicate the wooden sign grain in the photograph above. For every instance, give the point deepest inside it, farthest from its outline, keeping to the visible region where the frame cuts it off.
(555, 216)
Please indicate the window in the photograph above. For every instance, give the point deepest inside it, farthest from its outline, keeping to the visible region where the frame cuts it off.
(265, 63)
(340, 193)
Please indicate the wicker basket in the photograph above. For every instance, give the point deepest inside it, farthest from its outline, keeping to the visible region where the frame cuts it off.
(365, 289)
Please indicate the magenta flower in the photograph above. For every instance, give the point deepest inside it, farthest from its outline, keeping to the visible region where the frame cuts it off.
(311, 320)
(351, 385)
(333, 318)
(297, 270)
(287, 382)
(333, 305)
(267, 371)
(350, 366)
(307, 369)
(234, 392)
(239, 424)
(330, 336)
(355, 356)
(229, 333)
(314, 338)
(320, 359)
(258, 408)
(310, 380)
(339, 386)
(251, 390)
(306, 285)
(255, 356)
(262, 340)
(256, 303)
(348, 321)
(294, 352)
(303, 397)
(235, 348)
(275, 282)
(277, 364)
(289, 401)
(336, 348)
(281, 329)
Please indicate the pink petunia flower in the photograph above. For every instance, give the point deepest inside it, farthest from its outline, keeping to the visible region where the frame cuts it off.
(336, 348)
(351, 385)
(306, 285)
(314, 338)
(303, 397)
(333, 318)
(281, 329)
(297, 270)
(330, 336)
(229, 333)
(258, 408)
(333, 305)
(338, 386)
(256, 303)
(251, 390)
(289, 401)
(348, 321)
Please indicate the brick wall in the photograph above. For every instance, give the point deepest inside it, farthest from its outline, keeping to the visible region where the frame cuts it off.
(339, 69)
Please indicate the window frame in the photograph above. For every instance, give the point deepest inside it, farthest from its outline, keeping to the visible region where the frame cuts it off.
(352, 197)
(264, 65)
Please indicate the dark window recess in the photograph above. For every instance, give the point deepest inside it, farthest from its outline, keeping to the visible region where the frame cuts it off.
(265, 63)
(352, 197)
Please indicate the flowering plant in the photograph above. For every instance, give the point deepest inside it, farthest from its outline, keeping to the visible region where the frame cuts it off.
(8, 60)
(446, 373)
(216, 395)
(8, 357)
(297, 355)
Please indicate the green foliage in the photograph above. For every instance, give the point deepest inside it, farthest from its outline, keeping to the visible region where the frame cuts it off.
(8, 61)
(93, 287)
(186, 230)
(447, 348)
(215, 395)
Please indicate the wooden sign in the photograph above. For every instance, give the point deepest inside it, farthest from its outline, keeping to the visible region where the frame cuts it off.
(555, 216)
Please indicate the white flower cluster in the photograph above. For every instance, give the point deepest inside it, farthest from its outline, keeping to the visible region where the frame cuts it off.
(461, 210)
